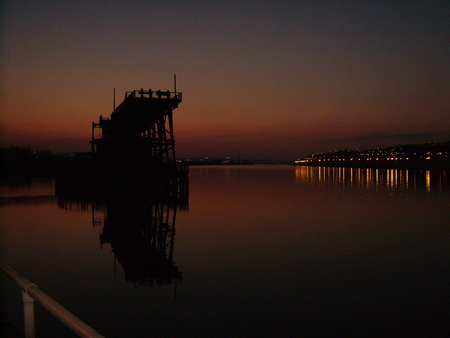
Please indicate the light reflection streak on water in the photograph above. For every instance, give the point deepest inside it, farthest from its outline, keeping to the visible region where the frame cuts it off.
(388, 180)
(377, 182)
(407, 179)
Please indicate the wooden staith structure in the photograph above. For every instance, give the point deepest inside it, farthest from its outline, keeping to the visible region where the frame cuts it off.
(139, 131)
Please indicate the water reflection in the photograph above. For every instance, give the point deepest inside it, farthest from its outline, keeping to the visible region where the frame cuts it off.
(16, 188)
(142, 237)
(139, 227)
(390, 181)
(353, 253)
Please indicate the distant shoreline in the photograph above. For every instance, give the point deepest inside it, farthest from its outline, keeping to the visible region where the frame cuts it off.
(424, 156)
(400, 166)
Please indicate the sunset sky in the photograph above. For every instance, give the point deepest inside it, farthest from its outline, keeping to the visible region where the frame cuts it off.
(265, 79)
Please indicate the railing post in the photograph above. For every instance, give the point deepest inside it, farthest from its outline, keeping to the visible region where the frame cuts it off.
(28, 315)
(30, 293)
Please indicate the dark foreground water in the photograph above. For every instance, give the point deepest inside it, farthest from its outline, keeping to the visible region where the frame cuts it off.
(274, 251)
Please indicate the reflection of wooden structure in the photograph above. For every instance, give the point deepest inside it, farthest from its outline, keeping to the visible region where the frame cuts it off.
(140, 129)
(139, 226)
(142, 234)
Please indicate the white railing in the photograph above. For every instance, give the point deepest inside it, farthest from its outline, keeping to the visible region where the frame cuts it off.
(30, 293)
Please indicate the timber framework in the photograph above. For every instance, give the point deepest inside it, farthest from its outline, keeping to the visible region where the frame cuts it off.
(139, 131)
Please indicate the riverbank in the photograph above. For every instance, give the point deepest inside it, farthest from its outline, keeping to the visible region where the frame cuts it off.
(424, 156)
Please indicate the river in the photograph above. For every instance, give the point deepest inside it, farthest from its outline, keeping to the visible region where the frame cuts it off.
(257, 251)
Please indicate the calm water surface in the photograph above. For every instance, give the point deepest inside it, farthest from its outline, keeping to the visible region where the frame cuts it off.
(275, 251)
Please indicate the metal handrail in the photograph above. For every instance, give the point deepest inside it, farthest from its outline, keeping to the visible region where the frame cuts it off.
(31, 292)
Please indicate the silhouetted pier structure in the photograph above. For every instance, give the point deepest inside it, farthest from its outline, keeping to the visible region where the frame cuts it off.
(139, 131)
(135, 178)
(133, 150)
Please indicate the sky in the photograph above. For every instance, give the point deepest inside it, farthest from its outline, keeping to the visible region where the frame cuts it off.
(260, 79)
